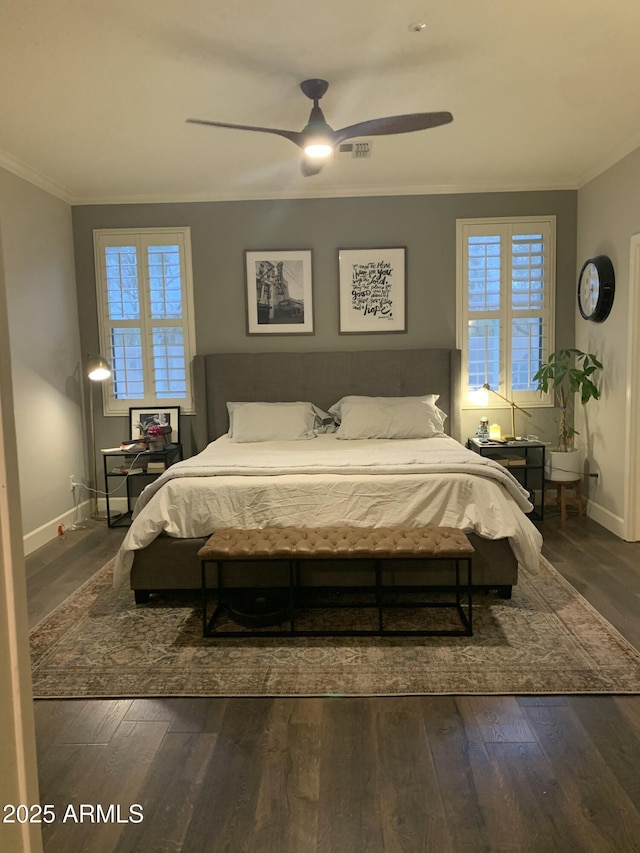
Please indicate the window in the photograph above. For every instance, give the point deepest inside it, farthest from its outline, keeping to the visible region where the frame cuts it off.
(505, 299)
(145, 311)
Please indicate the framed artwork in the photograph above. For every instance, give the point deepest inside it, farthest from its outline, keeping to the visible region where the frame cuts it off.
(372, 290)
(140, 419)
(279, 292)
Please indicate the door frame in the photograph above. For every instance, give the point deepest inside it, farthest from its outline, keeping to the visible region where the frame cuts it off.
(631, 531)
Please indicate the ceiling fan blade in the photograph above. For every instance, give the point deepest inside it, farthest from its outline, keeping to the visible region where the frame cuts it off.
(309, 168)
(293, 135)
(393, 124)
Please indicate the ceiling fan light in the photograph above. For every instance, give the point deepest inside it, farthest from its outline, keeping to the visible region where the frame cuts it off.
(318, 150)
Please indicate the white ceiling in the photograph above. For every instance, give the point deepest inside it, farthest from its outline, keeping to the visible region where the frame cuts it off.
(94, 94)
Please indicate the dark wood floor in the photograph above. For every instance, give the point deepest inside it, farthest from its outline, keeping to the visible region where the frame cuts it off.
(435, 774)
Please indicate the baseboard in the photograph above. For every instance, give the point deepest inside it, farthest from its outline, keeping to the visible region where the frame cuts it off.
(115, 505)
(49, 531)
(606, 518)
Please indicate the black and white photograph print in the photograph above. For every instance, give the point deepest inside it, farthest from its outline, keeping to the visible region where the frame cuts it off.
(279, 292)
(372, 290)
(141, 419)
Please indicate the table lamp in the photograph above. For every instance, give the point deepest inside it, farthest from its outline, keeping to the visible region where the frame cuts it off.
(513, 405)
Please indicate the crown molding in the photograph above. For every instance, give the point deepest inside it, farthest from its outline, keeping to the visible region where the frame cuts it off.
(610, 159)
(330, 192)
(34, 177)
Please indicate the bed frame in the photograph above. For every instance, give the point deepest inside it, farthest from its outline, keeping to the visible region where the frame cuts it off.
(322, 378)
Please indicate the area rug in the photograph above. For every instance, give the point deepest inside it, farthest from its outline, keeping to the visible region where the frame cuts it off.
(546, 639)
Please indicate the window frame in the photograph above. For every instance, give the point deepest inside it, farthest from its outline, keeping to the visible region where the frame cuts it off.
(505, 227)
(142, 238)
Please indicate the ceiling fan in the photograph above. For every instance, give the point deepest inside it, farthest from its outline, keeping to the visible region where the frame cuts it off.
(318, 140)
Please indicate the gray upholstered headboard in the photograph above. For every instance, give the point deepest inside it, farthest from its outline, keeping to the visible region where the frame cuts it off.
(321, 378)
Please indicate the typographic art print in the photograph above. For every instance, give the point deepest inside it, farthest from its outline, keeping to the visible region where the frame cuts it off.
(372, 290)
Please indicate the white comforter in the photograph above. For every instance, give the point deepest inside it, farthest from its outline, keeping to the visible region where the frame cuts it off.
(325, 481)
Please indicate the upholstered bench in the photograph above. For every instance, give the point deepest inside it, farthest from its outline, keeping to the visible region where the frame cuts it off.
(376, 544)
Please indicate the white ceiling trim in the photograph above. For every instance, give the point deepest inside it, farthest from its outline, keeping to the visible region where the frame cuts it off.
(610, 159)
(34, 177)
(343, 192)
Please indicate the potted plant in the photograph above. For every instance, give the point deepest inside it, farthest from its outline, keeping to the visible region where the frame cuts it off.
(567, 372)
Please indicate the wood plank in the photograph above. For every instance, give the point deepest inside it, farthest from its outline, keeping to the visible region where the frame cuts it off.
(614, 736)
(107, 774)
(412, 812)
(587, 782)
(350, 811)
(146, 710)
(286, 812)
(170, 794)
(500, 820)
(66, 772)
(198, 715)
(52, 717)
(544, 817)
(495, 719)
(97, 721)
(225, 807)
(450, 750)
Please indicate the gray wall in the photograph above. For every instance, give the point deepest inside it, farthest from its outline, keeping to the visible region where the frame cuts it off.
(608, 216)
(221, 231)
(45, 353)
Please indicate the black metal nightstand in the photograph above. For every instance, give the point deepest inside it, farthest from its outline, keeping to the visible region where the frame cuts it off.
(134, 465)
(524, 459)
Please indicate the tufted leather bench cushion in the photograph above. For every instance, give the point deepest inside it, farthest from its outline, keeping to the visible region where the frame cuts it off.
(297, 543)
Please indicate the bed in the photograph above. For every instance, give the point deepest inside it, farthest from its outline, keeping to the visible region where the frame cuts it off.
(326, 480)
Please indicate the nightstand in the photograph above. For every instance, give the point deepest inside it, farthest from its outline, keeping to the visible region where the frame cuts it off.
(131, 465)
(524, 459)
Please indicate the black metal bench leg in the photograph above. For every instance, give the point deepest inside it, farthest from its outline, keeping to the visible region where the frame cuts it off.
(203, 588)
(293, 583)
(378, 571)
(470, 594)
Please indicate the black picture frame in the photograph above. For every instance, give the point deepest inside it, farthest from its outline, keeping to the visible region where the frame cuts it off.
(159, 415)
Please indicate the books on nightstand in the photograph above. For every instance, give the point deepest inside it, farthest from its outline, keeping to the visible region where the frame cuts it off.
(155, 467)
(511, 461)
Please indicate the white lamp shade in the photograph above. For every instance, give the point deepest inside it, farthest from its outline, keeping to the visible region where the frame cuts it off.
(98, 368)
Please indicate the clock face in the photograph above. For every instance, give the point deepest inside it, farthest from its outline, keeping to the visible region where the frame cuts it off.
(589, 289)
(596, 288)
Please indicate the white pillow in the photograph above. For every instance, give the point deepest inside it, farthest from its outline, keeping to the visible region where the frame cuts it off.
(375, 417)
(336, 409)
(271, 421)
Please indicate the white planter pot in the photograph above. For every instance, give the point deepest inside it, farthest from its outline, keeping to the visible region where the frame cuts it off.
(563, 467)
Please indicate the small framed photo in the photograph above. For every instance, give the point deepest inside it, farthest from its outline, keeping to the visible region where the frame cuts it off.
(279, 292)
(372, 290)
(141, 419)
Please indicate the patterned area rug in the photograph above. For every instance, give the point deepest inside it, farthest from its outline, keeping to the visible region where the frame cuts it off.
(546, 639)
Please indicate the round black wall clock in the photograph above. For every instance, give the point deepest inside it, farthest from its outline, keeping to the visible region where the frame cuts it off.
(596, 288)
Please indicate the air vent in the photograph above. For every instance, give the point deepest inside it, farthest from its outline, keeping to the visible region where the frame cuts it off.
(359, 150)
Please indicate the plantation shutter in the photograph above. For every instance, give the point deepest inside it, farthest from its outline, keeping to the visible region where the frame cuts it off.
(145, 307)
(505, 274)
